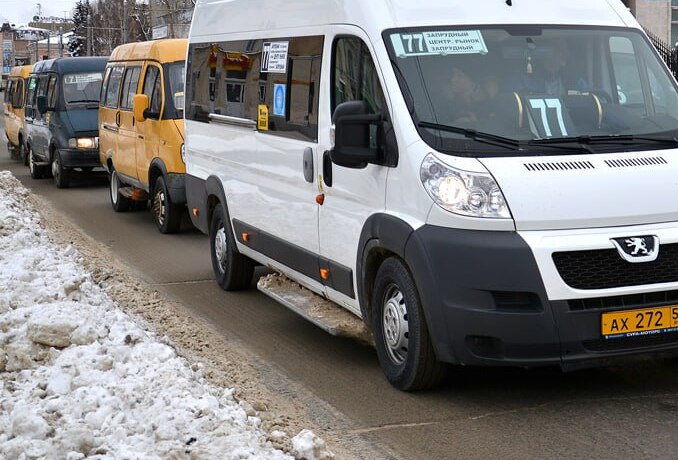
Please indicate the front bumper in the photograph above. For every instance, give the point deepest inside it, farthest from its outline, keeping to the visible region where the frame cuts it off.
(489, 301)
(76, 158)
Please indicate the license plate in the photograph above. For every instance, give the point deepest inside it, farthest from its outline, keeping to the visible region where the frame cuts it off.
(639, 322)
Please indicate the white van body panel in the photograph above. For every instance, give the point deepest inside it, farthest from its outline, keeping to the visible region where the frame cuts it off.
(588, 191)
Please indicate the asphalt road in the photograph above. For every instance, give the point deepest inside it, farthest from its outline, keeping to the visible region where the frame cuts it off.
(629, 412)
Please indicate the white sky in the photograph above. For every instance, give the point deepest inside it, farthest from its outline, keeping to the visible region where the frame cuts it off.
(21, 12)
(79, 377)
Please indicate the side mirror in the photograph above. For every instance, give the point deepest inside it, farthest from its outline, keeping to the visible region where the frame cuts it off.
(42, 104)
(140, 105)
(356, 135)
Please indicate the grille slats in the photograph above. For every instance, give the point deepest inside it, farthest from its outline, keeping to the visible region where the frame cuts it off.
(625, 302)
(605, 269)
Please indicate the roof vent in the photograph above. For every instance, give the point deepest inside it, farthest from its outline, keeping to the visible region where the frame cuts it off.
(634, 162)
(559, 166)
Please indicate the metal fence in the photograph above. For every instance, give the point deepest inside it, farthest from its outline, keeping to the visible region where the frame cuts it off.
(666, 51)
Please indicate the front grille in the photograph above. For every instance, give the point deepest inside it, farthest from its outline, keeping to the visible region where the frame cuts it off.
(629, 343)
(625, 302)
(605, 269)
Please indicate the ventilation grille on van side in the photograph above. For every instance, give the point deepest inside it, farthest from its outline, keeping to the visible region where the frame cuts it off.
(632, 162)
(559, 166)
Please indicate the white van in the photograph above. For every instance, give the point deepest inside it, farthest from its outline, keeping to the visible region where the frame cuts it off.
(483, 183)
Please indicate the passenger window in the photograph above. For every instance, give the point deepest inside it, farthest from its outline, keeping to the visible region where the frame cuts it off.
(18, 96)
(113, 86)
(153, 89)
(129, 87)
(355, 76)
(626, 73)
(9, 91)
(30, 96)
(41, 91)
(52, 91)
(229, 78)
(102, 94)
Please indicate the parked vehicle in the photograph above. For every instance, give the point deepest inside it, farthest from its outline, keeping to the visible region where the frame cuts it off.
(15, 97)
(61, 117)
(142, 128)
(483, 184)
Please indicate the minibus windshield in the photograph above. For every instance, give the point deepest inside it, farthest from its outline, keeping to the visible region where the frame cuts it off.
(535, 89)
(81, 87)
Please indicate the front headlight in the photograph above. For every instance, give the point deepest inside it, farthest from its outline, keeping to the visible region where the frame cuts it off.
(84, 143)
(462, 192)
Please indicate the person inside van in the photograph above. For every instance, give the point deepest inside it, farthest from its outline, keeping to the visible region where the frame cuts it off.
(470, 101)
(553, 76)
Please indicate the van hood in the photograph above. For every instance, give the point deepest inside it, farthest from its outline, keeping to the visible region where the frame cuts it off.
(82, 121)
(586, 191)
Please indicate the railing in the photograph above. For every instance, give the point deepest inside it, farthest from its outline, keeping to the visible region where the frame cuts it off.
(666, 51)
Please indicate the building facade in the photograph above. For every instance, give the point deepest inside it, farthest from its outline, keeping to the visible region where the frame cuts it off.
(660, 17)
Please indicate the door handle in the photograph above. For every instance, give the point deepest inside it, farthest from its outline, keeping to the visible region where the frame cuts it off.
(308, 164)
(327, 169)
(117, 118)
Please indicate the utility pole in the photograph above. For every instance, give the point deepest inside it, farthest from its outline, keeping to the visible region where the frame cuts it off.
(123, 24)
(89, 31)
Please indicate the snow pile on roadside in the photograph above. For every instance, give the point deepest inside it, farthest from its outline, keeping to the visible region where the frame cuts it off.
(79, 378)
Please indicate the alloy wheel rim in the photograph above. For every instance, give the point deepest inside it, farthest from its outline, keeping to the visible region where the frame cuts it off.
(220, 248)
(395, 324)
(55, 168)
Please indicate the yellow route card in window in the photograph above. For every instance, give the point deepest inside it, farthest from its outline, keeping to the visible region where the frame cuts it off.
(263, 118)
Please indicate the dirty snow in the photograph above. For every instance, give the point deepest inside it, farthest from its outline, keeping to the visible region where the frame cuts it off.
(80, 378)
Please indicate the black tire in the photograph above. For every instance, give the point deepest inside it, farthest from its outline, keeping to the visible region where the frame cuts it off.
(232, 270)
(61, 175)
(13, 151)
(37, 172)
(167, 215)
(119, 202)
(401, 336)
(23, 152)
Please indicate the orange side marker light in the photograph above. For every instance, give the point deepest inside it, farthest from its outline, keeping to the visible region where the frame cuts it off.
(324, 273)
(320, 199)
(246, 237)
(195, 212)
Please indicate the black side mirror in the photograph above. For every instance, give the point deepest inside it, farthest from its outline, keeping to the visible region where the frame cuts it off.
(42, 104)
(356, 135)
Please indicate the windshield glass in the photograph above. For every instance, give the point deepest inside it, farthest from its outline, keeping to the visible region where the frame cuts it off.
(82, 87)
(176, 86)
(532, 84)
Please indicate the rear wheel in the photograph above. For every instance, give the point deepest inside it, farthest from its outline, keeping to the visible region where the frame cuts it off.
(401, 336)
(61, 175)
(119, 202)
(23, 152)
(166, 214)
(37, 172)
(232, 270)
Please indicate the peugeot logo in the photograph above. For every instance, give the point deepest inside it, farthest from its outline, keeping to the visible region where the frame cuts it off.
(636, 249)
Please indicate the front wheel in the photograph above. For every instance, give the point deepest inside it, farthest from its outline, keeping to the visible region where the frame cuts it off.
(232, 270)
(166, 214)
(401, 336)
(119, 202)
(61, 175)
(23, 152)
(37, 172)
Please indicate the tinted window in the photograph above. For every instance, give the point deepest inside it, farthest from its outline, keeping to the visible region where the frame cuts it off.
(30, 95)
(18, 96)
(52, 91)
(8, 90)
(355, 76)
(113, 86)
(229, 78)
(129, 87)
(153, 89)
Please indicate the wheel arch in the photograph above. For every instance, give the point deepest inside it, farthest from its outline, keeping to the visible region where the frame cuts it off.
(215, 195)
(383, 236)
(156, 169)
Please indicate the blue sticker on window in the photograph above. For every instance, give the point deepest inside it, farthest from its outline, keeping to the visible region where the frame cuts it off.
(279, 97)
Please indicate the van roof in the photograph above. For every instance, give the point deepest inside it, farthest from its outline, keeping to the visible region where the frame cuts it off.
(70, 64)
(167, 50)
(21, 71)
(375, 16)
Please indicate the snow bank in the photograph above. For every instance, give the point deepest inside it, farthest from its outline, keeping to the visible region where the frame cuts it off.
(79, 378)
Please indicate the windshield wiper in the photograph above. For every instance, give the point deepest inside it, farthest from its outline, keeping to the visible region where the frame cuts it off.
(480, 136)
(82, 100)
(598, 140)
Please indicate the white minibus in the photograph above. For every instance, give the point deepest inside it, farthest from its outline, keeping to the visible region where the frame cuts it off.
(482, 183)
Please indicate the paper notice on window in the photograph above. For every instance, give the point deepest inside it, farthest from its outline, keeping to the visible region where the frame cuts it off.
(438, 42)
(274, 57)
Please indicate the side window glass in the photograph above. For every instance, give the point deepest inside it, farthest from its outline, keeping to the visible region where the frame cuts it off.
(229, 78)
(355, 76)
(41, 91)
(102, 94)
(30, 96)
(9, 90)
(19, 93)
(152, 89)
(52, 91)
(626, 73)
(129, 87)
(113, 87)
